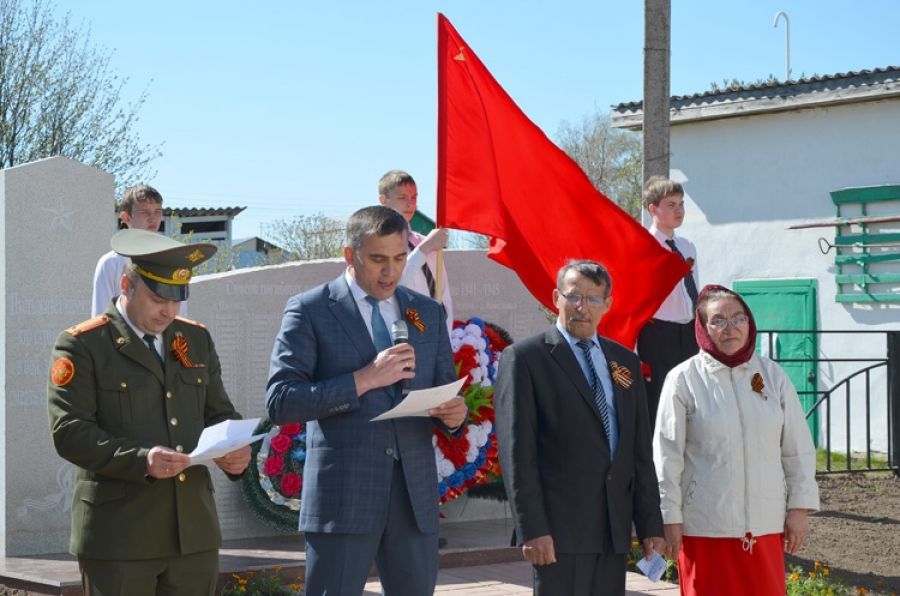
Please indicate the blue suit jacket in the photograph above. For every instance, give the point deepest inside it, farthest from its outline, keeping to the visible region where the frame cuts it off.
(347, 475)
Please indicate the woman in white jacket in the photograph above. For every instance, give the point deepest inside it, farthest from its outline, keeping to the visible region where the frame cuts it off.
(734, 457)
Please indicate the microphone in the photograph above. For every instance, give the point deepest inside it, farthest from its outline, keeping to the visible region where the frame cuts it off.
(400, 335)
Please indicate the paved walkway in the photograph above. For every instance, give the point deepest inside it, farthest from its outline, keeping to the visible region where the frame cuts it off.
(505, 579)
(477, 561)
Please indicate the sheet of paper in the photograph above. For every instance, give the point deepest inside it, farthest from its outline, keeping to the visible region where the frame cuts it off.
(224, 437)
(418, 402)
(654, 568)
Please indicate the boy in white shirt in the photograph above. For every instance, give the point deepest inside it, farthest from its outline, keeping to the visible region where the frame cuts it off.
(668, 338)
(140, 209)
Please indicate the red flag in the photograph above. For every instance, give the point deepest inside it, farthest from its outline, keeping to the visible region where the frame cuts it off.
(499, 175)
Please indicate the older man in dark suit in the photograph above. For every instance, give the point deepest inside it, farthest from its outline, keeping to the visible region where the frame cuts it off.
(574, 443)
(130, 393)
(370, 488)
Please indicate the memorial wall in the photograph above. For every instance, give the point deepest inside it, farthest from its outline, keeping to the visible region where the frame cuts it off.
(53, 228)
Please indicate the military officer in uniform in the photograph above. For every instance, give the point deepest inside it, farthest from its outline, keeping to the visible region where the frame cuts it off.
(130, 392)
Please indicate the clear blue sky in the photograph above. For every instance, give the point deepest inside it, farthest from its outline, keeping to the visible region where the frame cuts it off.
(293, 108)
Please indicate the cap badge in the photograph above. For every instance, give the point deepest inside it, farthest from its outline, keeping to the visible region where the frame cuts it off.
(195, 256)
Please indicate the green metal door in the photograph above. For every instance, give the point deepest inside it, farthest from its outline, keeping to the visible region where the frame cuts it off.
(787, 305)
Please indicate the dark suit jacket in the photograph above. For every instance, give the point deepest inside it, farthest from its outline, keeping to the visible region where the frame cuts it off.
(554, 454)
(119, 403)
(347, 474)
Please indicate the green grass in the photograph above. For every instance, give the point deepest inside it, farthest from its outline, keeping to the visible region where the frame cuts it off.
(857, 461)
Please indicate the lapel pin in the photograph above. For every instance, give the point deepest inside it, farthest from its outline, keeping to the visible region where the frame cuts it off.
(756, 383)
(620, 374)
(412, 315)
(180, 350)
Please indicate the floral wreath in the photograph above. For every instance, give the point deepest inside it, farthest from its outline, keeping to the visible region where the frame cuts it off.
(274, 480)
(471, 459)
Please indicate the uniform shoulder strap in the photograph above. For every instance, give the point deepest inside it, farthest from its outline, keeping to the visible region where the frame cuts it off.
(189, 322)
(89, 325)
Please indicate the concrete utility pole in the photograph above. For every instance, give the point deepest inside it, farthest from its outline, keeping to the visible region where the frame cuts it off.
(657, 28)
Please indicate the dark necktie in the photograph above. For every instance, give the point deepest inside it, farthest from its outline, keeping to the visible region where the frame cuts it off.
(596, 387)
(151, 343)
(689, 284)
(380, 335)
(382, 340)
(426, 271)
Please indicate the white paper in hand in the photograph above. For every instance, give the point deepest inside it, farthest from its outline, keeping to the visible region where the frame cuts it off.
(418, 402)
(224, 437)
(654, 568)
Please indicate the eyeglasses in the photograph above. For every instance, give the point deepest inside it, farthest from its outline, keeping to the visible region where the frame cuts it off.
(721, 323)
(575, 299)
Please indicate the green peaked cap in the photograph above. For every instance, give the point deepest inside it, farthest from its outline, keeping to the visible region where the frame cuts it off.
(163, 263)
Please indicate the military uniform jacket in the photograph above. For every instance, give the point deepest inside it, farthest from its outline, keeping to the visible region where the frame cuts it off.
(110, 402)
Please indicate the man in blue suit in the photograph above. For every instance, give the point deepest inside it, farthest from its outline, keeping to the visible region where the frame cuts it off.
(370, 488)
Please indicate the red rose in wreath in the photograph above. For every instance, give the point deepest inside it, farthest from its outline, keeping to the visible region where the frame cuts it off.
(273, 465)
(290, 484)
(281, 443)
(293, 429)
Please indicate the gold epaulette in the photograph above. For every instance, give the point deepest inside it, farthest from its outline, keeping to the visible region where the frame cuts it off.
(89, 325)
(190, 322)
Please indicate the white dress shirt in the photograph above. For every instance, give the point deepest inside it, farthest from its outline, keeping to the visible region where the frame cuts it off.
(414, 279)
(157, 343)
(677, 306)
(390, 309)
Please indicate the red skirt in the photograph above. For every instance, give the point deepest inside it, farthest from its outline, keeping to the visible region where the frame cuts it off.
(711, 566)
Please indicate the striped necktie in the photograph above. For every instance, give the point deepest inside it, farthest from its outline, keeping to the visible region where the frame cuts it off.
(596, 387)
(429, 276)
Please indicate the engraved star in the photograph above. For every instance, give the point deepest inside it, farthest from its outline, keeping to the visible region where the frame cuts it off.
(60, 215)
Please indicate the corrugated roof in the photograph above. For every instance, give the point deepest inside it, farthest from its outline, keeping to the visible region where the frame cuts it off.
(841, 80)
(808, 92)
(202, 211)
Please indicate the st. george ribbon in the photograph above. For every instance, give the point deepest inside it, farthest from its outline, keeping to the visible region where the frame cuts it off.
(400, 335)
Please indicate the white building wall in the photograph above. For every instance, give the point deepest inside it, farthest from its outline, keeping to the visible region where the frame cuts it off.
(747, 179)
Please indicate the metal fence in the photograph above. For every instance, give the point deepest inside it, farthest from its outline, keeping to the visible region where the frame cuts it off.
(853, 391)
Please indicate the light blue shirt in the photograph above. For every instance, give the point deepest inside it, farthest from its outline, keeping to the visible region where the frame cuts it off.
(602, 368)
(390, 309)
